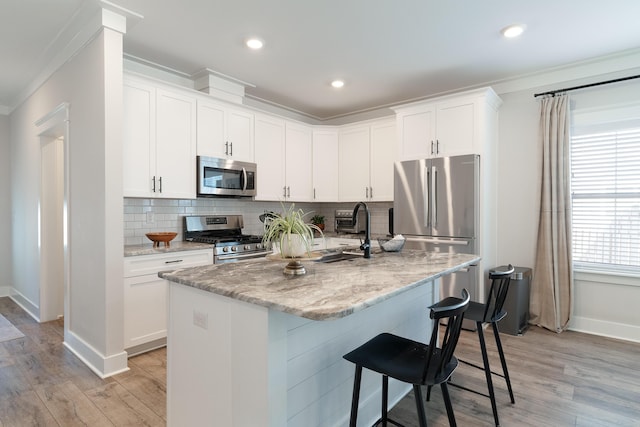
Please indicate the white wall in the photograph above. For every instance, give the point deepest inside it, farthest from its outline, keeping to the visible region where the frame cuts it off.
(91, 82)
(600, 303)
(5, 207)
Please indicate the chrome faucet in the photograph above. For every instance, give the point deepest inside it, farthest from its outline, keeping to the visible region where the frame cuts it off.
(366, 246)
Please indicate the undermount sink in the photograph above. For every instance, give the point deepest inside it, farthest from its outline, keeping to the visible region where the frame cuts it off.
(339, 256)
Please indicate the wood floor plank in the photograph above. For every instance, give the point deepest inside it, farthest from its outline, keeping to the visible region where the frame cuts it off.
(71, 407)
(25, 410)
(123, 408)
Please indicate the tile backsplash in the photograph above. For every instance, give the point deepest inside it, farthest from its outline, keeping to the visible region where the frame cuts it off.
(142, 216)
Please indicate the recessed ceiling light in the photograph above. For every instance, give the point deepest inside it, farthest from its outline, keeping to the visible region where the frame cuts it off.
(255, 43)
(337, 84)
(513, 30)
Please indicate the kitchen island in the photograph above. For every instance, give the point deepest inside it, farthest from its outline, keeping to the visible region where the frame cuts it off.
(249, 346)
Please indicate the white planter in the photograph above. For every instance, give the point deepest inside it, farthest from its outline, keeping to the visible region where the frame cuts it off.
(293, 246)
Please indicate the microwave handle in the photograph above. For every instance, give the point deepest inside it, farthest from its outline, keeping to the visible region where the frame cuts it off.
(244, 179)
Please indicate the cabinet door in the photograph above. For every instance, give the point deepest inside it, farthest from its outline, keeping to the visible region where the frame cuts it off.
(175, 145)
(354, 164)
(325, 166)
(240, 135)
(455, 128)
(211, 130)
(145, 310)
(417, 133)
(139, 136)
(270, 158)
(298, 163)
(383, 149)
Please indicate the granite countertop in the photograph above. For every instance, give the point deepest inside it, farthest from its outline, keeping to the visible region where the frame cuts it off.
(176, 246)
(328, 290)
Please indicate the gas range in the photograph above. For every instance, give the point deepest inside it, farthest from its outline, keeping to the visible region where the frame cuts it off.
(224, 232)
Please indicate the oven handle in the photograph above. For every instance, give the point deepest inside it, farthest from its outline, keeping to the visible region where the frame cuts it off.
(243, 256)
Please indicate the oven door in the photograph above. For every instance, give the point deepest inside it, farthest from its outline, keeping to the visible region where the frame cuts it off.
(224, 177)
(222, 259)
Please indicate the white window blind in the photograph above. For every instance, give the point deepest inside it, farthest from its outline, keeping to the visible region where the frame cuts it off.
(605, 187)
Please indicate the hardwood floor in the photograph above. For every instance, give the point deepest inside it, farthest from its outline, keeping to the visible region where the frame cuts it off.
(570, 379)
(44, 384)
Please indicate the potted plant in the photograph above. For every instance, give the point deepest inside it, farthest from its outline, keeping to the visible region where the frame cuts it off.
(318, 221)
(290, 233)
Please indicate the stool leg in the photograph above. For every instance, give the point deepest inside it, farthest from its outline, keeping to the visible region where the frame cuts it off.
(422, 418)
(356, 396)
(503, 361)
(385, 399)
(487, 372)
(447, 404)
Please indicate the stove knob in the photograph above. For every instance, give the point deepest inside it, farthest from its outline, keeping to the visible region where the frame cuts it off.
(233, 249)
(225, 249)
(259, 246)
(247, 247)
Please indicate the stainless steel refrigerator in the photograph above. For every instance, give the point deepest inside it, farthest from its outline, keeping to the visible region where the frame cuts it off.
(436, 208)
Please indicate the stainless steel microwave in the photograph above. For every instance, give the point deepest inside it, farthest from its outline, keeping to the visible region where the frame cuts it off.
(225, 177)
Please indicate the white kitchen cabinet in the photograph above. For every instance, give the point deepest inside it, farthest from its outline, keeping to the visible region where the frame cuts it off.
(270, 158)
(367, 153)
(283, 153)
(298, 164)
(145, 296)
(224, 131)
(325, 165)
(158, 142)
(447, 126)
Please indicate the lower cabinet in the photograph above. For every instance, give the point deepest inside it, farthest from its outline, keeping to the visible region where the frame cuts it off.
(145, 296)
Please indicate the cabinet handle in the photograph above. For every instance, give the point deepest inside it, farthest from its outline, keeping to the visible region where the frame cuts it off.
(371, 192)
(226, 148)
(173, 262)
(314, 194)
(366, 192)
(432, 147)
(288, 191)
(231, 151)
(284, 191)
(154, 183)
(160, 184)
(437, 146)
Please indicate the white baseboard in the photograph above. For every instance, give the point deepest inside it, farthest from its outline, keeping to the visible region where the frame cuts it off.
(102, 366)
(27, 305)
(604, 328)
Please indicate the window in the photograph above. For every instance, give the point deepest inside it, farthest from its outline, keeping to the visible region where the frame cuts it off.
(605, 187)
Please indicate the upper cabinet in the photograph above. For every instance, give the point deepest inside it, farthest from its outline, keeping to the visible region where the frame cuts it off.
(447, 126)
(224, 131)
(283, 152)
(366, 157)
(159, 142)
(325, 165)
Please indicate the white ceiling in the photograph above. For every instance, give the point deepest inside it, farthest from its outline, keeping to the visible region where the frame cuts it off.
(386, 51)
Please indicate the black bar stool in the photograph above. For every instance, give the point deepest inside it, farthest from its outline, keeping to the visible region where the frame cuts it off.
(490, 312)
(411, 361)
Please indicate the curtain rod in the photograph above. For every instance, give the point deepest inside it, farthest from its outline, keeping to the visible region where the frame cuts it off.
(554, 92)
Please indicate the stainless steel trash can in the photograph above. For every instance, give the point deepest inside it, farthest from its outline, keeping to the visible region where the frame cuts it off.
(516, 321)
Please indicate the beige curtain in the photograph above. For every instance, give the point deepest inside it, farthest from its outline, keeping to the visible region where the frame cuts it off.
(552, 287)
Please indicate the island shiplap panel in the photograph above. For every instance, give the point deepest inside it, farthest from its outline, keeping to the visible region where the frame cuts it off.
(320, 382)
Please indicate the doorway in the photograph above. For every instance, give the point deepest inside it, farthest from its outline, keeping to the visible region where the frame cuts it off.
(52, 215)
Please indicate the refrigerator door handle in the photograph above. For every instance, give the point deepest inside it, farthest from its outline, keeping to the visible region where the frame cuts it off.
(434, 196)
(427, 198)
